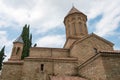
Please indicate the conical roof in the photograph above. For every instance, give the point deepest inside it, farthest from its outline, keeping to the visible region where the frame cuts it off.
(19, 39)
(74, 10)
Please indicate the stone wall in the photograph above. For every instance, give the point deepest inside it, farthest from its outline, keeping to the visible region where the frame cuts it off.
(93, 69)
(60, 53)
(85, 49)
(105, 66)
(112, 66)
(52, 66)
(32, 70)
(48, 52)
(69, 43)
(40, 52)
(65, 68)
(11, 71)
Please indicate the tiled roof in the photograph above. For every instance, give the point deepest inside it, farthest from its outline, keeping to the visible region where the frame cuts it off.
(19, 39)
(66, 78)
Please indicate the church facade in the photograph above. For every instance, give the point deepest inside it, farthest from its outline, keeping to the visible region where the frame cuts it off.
(83, 57)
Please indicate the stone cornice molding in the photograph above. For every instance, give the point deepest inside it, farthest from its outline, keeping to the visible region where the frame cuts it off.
(14, 62)
(43, 48)
(51, 59)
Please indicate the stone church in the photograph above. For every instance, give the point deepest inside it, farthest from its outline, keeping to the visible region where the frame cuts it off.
(83, 57)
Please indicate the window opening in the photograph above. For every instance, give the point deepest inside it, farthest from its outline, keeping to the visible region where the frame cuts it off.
(95, 50)
(68, 29)
(42, 67)
(18, 49)
(74, 28)
(80, 26)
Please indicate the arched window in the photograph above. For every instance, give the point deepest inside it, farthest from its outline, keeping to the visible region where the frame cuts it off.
(74, 28)
(68, 29)
(80, 26)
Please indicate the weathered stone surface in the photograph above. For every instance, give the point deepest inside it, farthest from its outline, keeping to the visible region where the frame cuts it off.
(12, 71)
(93, 70)
(65, 68)
(48, 52)
(101, 67)
(111, 65)
(84, 49)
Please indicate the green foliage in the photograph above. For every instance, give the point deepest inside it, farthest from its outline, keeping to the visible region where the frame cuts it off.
(27, 39)
(2, 56)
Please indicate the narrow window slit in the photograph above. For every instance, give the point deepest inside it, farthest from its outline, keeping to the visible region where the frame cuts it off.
(42, 67)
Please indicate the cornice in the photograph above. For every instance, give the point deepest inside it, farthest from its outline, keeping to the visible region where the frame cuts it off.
(14, 62)
(51, 59)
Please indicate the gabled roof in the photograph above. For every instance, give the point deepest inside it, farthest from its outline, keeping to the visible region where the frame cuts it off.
(90, 35)
(19, 39)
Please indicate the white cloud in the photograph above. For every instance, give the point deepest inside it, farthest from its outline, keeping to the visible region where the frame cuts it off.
(20, 3)
(41, 15)
(51, 41)
(110, 20)
(3, 38)
(44, 15)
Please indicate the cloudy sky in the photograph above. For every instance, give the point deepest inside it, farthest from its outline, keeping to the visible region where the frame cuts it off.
(46, 20)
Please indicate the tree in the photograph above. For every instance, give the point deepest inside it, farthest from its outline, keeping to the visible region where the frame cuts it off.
(27, 39)
(2, 56)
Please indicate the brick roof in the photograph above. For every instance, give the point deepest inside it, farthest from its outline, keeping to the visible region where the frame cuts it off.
(66, 78)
